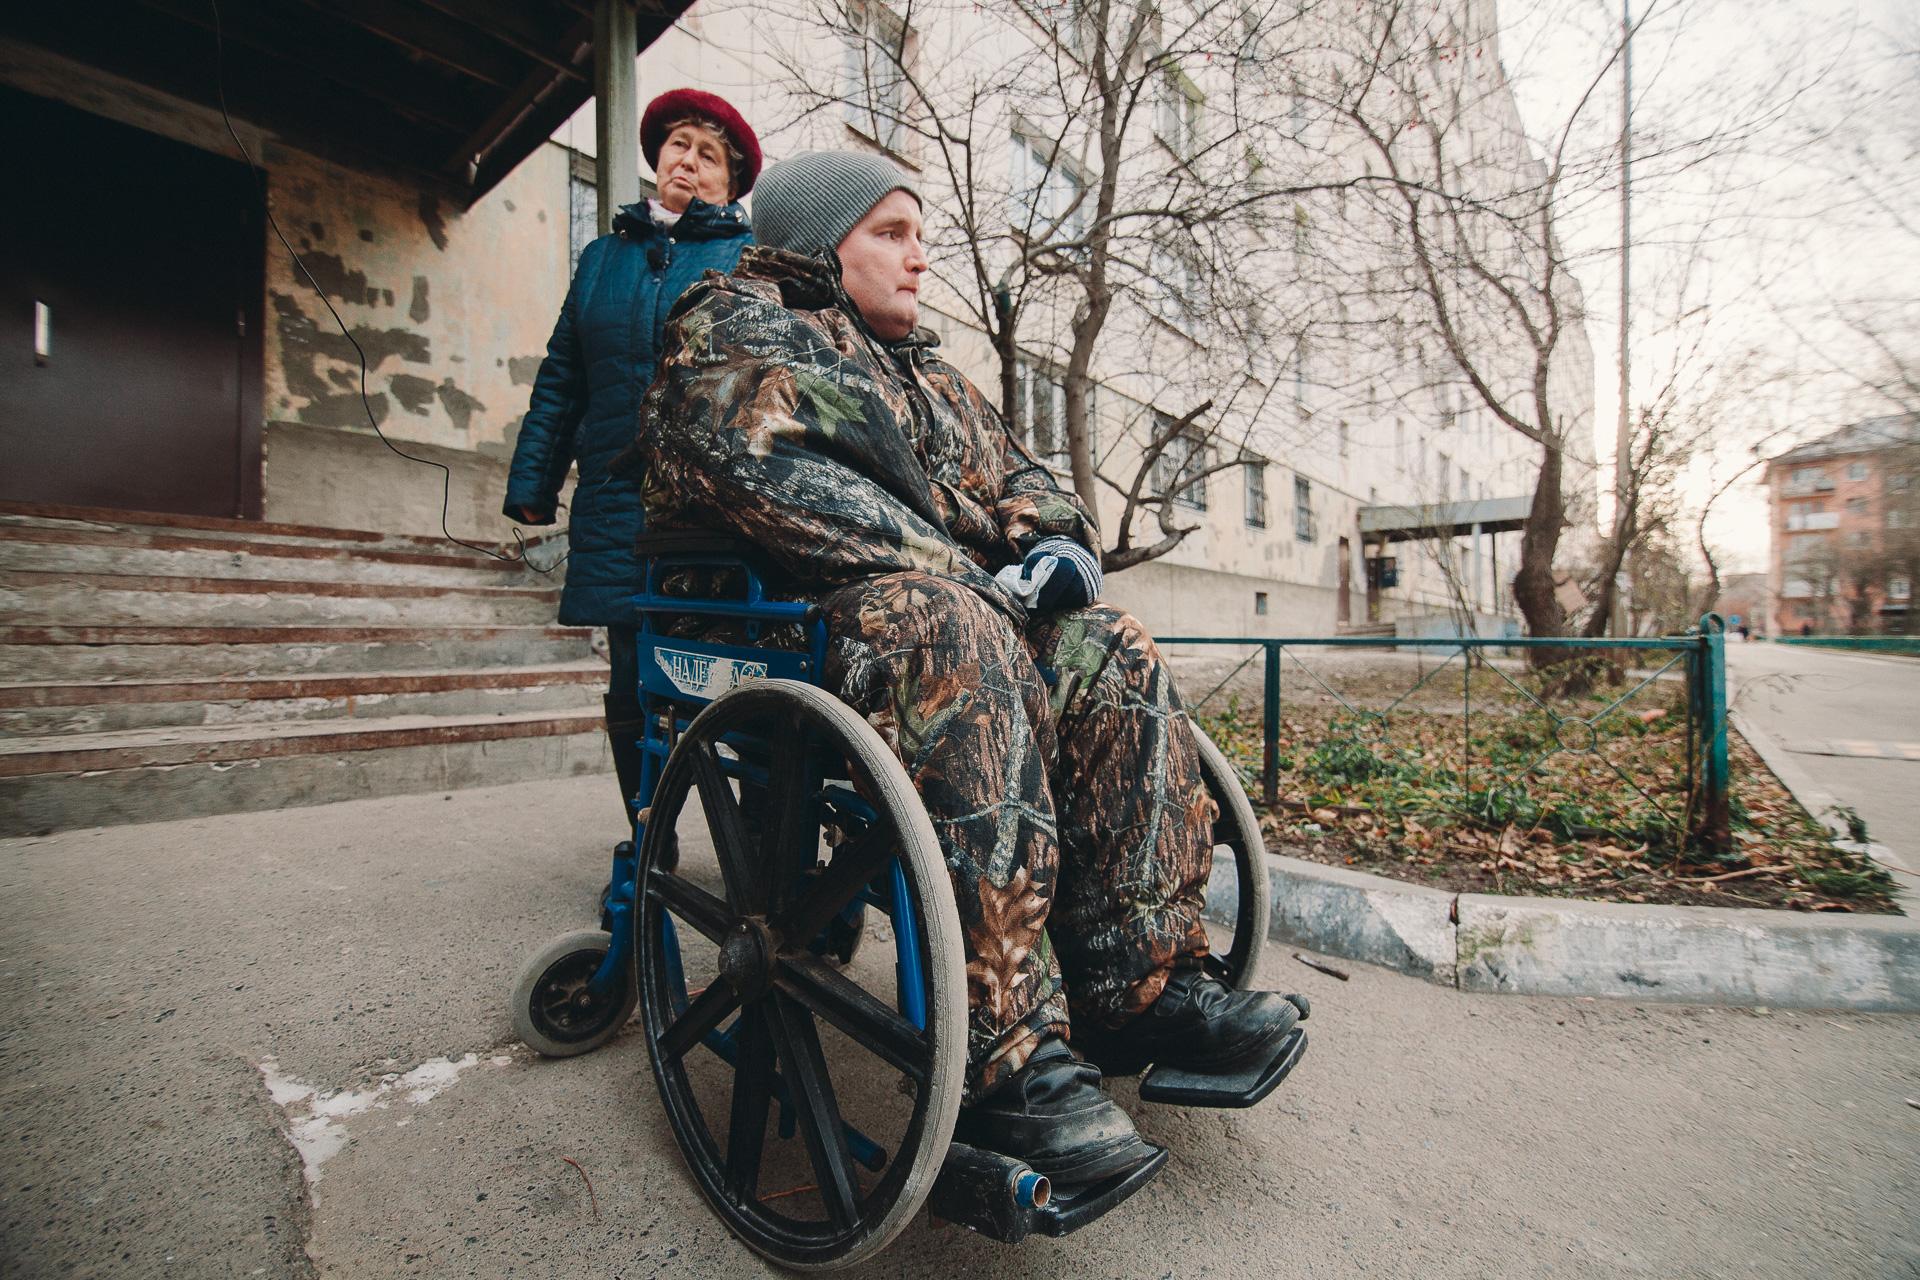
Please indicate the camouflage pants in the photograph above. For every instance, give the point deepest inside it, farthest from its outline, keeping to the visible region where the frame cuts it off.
(1072, 811)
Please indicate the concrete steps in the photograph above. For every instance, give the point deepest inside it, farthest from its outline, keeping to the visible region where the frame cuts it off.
(51, 707)
(156, 666)
(114, 598)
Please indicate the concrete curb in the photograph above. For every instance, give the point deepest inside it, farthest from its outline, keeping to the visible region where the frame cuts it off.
(1546, 946)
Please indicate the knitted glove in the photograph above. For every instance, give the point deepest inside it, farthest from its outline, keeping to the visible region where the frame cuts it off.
(1058, 574)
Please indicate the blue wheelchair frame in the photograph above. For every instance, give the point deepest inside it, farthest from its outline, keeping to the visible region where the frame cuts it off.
(676, 674)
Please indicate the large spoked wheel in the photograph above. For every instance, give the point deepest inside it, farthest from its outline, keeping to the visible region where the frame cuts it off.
(777, 1026)
(1240, 852)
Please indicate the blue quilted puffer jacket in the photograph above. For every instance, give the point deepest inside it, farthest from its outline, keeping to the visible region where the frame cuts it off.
(586, 397)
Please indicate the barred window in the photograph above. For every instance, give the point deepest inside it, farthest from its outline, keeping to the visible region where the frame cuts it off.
(1256, 474)
(1302, 509)
(873, 88)
(1179, 471)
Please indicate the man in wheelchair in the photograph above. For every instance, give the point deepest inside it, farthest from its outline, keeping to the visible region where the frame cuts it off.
(798, 407)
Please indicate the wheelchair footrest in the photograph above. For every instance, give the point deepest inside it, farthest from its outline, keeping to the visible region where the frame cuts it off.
(1003, 1199)
(1238, 1088)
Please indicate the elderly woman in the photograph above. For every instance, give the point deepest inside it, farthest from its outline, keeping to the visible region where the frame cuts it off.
(602, 356)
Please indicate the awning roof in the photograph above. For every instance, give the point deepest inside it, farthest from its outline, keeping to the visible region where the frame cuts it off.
(1443, 519)
(451, 94)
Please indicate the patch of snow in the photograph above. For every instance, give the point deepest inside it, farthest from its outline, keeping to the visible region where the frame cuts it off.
(316, 1122)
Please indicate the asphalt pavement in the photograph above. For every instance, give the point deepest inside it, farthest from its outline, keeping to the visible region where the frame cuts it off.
(277, 1044)
(1850, 722)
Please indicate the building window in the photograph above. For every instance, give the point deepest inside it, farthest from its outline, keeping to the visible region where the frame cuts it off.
(1302, 509)
(1896, 519)
(1345, 440)
(1179, 471)
(1446, 478)
(1900, 481)
(1049, 200)
(1811, 515)
(1859, 540)
(1808, 478)
(1072, 25)
(1856, 471)
(1177, 115)
(1177, 278)
(1040, 410)
(1899, 588)
(873, 89)
(583, 206)
(1856, 506)
(1256, 474)
(1260, 603)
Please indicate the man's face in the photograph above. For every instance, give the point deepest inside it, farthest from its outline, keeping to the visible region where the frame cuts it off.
(881, 262)
(693, 163)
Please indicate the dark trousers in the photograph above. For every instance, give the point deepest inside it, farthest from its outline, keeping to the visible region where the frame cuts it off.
(623, 714)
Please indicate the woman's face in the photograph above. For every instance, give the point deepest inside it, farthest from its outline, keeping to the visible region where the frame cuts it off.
(693, 162)
(881, 262)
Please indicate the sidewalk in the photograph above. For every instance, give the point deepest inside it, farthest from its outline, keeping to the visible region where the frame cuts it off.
(165, 981)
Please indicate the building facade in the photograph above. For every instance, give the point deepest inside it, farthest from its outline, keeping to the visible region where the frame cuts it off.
(443, 308)
(1845, 530)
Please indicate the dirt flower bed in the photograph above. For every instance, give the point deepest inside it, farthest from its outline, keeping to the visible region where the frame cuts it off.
(1513, 801)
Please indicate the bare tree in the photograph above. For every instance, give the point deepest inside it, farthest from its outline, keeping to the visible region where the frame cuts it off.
(1100, 208)
(1473, 207)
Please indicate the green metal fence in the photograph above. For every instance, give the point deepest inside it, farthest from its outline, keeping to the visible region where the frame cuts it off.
(1487, 772)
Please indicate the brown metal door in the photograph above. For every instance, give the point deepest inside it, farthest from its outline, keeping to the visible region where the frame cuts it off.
(130, 286)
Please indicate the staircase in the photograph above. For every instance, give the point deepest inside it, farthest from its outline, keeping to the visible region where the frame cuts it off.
(157, 666)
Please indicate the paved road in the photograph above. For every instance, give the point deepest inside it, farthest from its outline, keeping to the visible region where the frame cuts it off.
(179, 995)
(1851, 722)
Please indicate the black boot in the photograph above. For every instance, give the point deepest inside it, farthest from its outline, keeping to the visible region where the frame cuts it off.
(1051, 1114)
(1198, 1024)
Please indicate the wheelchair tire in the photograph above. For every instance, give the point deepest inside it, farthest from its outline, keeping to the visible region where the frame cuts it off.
(762, 927)
(1237, 829)
(552, 1009)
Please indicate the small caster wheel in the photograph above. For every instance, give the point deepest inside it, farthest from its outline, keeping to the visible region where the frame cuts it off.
(554, 1008)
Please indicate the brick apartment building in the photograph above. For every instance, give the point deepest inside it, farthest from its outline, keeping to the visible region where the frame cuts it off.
(1845, 530)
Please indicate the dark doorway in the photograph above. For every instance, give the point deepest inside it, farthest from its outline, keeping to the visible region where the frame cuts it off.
(130, 298)
(1344, 607)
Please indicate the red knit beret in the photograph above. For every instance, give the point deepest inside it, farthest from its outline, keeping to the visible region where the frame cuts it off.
(675, 105)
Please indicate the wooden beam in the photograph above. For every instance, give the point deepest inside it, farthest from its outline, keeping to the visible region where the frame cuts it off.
(510, 25)
(328, 53)
(448, 44)
(472, 161)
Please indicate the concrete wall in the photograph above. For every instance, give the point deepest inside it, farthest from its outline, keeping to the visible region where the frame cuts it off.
(350, 480)
(1179, 599)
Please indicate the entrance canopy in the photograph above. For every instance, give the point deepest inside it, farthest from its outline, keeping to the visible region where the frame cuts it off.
(1443, 519)
(450, 94)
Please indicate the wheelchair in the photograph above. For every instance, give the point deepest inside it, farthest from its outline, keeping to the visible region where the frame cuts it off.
(764, 1015)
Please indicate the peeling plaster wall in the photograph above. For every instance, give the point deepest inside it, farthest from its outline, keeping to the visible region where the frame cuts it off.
(453, 310)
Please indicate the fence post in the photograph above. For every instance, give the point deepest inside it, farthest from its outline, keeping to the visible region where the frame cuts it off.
(1270, 728)
(1716, 816)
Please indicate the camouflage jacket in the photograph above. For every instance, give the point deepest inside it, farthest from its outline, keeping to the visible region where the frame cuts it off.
(778, 416)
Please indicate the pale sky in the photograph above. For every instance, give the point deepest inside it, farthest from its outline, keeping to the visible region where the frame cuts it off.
(1739, 255)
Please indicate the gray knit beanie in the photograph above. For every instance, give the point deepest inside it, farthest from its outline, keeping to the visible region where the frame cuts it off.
(808, 203)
